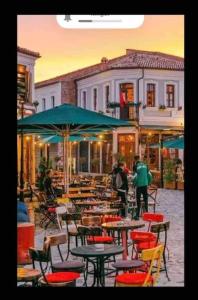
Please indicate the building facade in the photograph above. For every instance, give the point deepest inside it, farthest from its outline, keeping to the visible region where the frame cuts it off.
(26, 92)
(145, 88)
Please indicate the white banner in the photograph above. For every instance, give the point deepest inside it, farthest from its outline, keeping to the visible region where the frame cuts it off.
(100, 21)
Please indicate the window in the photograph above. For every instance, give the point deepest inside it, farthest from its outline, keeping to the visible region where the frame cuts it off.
(95, 99)
(170, 95)
(52, 101)
(150, 95)
(107, 95)
(127, 110)
(43, 104)
(84, 99)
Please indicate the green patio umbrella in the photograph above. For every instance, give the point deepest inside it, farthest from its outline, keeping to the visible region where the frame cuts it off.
(66, 120)
(174, 144)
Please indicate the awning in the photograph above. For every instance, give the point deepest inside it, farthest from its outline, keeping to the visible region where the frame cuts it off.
(163, 127)
(173, 144)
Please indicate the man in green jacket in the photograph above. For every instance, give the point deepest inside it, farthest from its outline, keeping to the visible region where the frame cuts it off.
(141, 179)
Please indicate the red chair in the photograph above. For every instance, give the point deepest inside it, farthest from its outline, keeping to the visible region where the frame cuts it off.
(145, 240)
(151, 217)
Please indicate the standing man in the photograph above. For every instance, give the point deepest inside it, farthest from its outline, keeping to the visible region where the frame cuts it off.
(142, 178)
(121, 183)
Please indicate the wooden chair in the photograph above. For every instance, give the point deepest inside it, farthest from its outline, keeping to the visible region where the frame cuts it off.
(152, 257)
(72, 222)
(60, 279)
(64, 266)
(157, 229)
(60, 211)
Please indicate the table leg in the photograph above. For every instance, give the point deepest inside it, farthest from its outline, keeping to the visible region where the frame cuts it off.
(124, 244)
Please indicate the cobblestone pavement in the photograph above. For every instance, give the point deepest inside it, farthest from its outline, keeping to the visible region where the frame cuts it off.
(171, 204)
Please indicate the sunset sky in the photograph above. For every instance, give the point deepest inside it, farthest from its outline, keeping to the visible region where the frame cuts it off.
(65, 50)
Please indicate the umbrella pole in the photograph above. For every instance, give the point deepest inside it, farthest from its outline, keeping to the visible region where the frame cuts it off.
(64, 164)
(162, 162)
(66, 160)
(70, 160)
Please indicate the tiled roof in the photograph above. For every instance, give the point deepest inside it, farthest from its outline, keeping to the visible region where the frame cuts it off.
(28, 52)
(132, 59)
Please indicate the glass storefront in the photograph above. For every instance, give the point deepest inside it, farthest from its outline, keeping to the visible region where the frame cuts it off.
(126, 148)
(95, 156)
(83, 157)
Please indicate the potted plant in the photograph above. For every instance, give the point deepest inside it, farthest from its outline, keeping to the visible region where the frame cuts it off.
(179, 175)
(119, 157)
(169, 174)
(162, 107)
(144, 106)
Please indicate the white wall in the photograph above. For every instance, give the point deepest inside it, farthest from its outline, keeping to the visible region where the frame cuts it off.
(46, 92)
(150, 115)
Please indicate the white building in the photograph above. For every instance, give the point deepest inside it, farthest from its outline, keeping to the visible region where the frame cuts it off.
(146, 88)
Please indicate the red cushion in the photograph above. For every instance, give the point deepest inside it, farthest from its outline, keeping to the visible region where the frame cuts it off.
(142, 236)
(62, 277)
(133, 278)
(51, 209)
(146, 245)
(151, 217)
(100, 239)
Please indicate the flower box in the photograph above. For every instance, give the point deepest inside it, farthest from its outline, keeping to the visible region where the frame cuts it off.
(180, 185)
(169, 185)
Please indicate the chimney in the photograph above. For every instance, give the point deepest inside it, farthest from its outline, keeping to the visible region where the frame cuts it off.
(104, 60)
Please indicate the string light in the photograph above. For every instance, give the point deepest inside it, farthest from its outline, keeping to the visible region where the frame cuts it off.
(40, 144)
(27, 138)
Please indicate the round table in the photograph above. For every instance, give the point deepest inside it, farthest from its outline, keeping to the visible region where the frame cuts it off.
(28, 275)
(123, 227)
(100, 253)
(99, 212)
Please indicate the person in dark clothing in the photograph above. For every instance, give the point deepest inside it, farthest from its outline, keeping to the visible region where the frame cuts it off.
(48, 187)
(121, 183)
(22, 212)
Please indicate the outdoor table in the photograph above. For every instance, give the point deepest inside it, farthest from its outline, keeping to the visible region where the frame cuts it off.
(79, 196)
(28, 275)
(88, 203)
(123, 226)
(103, 211)
(99, 254)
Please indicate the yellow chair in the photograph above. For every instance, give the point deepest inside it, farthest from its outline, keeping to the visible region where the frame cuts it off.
(152, 257)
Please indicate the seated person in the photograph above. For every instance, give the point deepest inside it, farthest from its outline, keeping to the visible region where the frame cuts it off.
(48, 186)
(22, 212)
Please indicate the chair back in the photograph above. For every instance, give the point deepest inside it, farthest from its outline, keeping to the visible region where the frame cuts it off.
(152, 217)
(85, 232)
(57, 239)
(61, 210)
(161, 227)
(91, 221)
(72, 217)
(153, 256)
